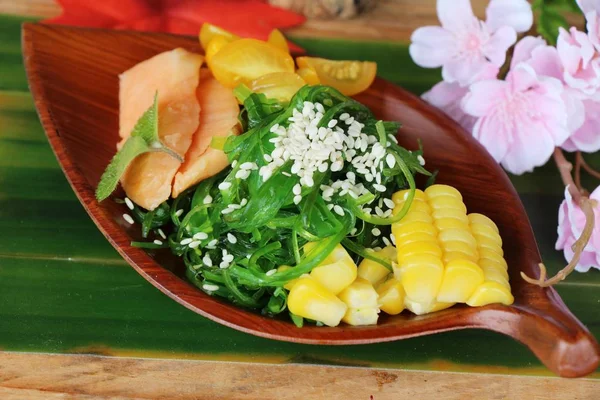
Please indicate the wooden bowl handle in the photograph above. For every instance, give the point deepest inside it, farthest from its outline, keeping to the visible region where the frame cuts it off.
(549, 329)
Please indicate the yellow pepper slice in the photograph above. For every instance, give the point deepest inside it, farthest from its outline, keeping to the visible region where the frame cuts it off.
(277, 39)
(209, 31)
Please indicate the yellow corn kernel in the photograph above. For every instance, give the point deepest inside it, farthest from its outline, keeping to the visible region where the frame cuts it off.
(362, 301)
(416, 248)
(461, 278)
(475, 218)
(421, 276)
(400, 231)
(391, 296)
(486, 254)
(425, 308)
(486, 262)
(461, 235)
(309, 299)
(401, 195)
(445, 202)
(337, 271)
(415, 237)
(457, 255)
(455, 246)
(488, 244)
(438, 190)
(496, 275)
(490, 292)
(487, 231)
(450, 213)
(491, 269)
(374, 272)
(361, 316)
(360, 294)
(450, 223)
(415, 206)
(412, 216)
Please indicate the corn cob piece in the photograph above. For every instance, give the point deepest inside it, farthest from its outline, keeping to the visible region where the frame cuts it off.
(446, 256)
(374, 272)
(362, 302)
(336, 272)
(309, 299)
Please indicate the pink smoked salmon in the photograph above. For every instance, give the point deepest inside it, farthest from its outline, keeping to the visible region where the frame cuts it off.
(218, 118)
(175, 75)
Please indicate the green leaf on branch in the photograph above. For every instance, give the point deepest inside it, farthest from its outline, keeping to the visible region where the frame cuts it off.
(144, 139)
(550, 17)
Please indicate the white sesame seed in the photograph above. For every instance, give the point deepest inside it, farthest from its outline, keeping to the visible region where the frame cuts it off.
(393, 138)
(338, 210)
(390, 160)
(377, 248)
(194, 244)
(232, 239)
(353, 231)
(375, 231)
(210, 288)
(242, 174)
(286, 173)
(208, 199)
(267, 157)
(389, 203)
(270, 272)
(200, 236)
(344, 116)
(224, 264)
(228, 210)
(207, 261)
(297, 199)
(393, 238)
(421, 160)
(367, 210)
(330, 206)
(297, 189)
(244, 202)
(386, 241)
(248, 165)
(128, 218)
(234, 163)
(320, 107)
(161, 233)
(274, 128)
(213, 243)
(228, 258)
(224, 185)
(178, 213)
(379, 187)
(129, 203)
(332, 123)
(158, 242)
(186, 241)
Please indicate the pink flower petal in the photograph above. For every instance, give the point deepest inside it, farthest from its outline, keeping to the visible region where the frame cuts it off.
(483, 97)
(593, 28)
(447, 97)
(454, 15)
(500, 41)
(524, 48)
(514, 13)
(493, 134)
(464, 69)
(529, 150)
(587, 137)
(588, 5)
(431, 46)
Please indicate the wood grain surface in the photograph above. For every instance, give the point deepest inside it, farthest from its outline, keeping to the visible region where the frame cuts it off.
(80, 121)
(49, 377)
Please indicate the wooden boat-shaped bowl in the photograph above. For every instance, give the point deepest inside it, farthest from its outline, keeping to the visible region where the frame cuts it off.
(73, 75)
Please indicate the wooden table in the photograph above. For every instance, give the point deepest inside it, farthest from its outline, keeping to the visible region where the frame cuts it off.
(77, 323)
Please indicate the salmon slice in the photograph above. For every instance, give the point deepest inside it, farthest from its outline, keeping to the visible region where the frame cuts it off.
(218, 119)
(175, 75)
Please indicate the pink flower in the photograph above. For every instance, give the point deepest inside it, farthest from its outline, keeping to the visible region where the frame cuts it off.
(580, 61)
(571, 221)
(584, 114)
(464, 46)
(519, 120)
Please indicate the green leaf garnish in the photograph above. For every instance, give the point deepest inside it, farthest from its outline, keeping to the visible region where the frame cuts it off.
(144, 139)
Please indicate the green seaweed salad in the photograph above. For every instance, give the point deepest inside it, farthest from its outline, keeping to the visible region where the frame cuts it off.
(320, 168)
